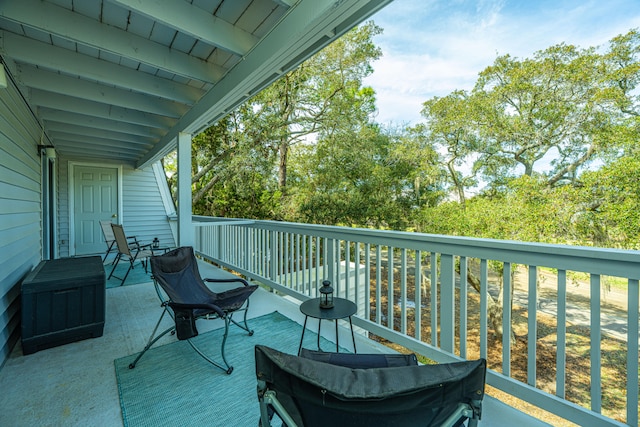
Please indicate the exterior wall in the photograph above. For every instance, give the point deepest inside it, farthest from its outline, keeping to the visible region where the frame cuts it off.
(144, 206)
(144, 213)
(20, 209)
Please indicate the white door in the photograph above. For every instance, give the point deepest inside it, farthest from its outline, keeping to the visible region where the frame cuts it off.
(95, 199)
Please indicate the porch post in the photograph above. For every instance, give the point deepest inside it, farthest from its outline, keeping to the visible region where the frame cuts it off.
(186, 235)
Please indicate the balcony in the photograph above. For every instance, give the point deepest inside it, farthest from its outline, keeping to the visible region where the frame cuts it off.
(585, 343)
(75, 384)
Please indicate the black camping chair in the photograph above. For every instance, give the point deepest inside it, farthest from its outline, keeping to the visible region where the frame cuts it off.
(310, 392)
(186, 298)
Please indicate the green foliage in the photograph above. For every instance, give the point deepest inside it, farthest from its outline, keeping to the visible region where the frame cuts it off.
(547, 144)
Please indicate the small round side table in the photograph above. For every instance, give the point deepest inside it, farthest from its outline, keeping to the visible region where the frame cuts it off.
(342, 308)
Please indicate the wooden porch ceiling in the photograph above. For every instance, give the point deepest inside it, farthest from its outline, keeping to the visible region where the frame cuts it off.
(117, 80)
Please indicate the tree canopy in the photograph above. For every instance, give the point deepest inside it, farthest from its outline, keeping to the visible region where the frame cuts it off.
(540, 149)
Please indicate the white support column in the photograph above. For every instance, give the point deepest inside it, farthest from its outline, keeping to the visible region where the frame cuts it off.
(186, 235)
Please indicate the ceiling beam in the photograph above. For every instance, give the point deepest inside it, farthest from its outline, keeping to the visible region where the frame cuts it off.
(23, 49)
(74, 119)
(96, 141)
(103, 154)
(198, 23)
(286, 3)
(80, 29)
(302, 32)
(78, 129)
(81, 106)
(49, 81)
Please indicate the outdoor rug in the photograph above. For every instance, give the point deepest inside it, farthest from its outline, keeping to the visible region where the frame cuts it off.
(172, 385)
(136, 275)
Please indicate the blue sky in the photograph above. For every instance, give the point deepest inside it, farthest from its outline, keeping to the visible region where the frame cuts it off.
(432, 47)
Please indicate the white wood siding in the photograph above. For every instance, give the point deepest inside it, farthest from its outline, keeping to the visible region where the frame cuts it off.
(144, 214)
(20, 209)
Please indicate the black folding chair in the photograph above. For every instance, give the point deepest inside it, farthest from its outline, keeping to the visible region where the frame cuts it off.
(187, 298)
(310, 392)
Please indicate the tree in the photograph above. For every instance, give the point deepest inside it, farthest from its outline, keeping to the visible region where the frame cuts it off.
(550, 106)
(449, 126)
(241, 165)
(373, 178)
(323, 94)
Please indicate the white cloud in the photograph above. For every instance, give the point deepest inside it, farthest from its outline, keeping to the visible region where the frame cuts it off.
(431, 48)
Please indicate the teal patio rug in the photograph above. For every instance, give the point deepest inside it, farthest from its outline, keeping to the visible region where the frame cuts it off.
(136, 275)
(172, 385)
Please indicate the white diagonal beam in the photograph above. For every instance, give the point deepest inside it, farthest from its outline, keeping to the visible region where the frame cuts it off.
(72, 26)
(23, 49)
(190, 19)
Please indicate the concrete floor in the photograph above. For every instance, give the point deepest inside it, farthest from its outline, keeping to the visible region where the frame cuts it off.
(75, 384)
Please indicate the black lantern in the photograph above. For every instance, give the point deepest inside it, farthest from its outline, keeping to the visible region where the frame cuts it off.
(156, 242)
(326, 295)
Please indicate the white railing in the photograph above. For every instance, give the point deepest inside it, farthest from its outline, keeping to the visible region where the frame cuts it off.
(461, 321)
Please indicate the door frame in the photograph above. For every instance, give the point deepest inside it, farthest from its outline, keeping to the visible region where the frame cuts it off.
(72, 196)
(49, 185)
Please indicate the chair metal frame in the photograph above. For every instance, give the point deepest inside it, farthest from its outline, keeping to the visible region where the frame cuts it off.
(308, 385)
(212, 311)
(110, 239)
(130, 249)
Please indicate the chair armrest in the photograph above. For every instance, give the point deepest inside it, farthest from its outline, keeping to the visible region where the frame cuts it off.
(213, 307)
(244, 282)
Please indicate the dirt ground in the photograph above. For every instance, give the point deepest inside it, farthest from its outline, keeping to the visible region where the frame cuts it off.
(613, 344)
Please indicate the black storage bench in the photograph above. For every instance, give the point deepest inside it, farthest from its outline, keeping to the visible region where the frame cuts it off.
(63, 300)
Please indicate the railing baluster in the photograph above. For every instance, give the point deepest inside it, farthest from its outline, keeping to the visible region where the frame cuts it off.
(532, 333)
(308, 264)
(434, 298)
(418, 295)
(506, 319)
(318, 253)
(325, 258)
(403, 291)
(633, 309)
(367, 281)
(484, 304)
(378, 284)
(296, 263)
(463, 307)
(561, 334)
(347, 269)
(596, 336)
(356, 281)
(447, 303)
(390, 299)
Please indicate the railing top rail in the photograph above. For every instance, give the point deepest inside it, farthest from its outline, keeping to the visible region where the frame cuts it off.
(607, 261)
